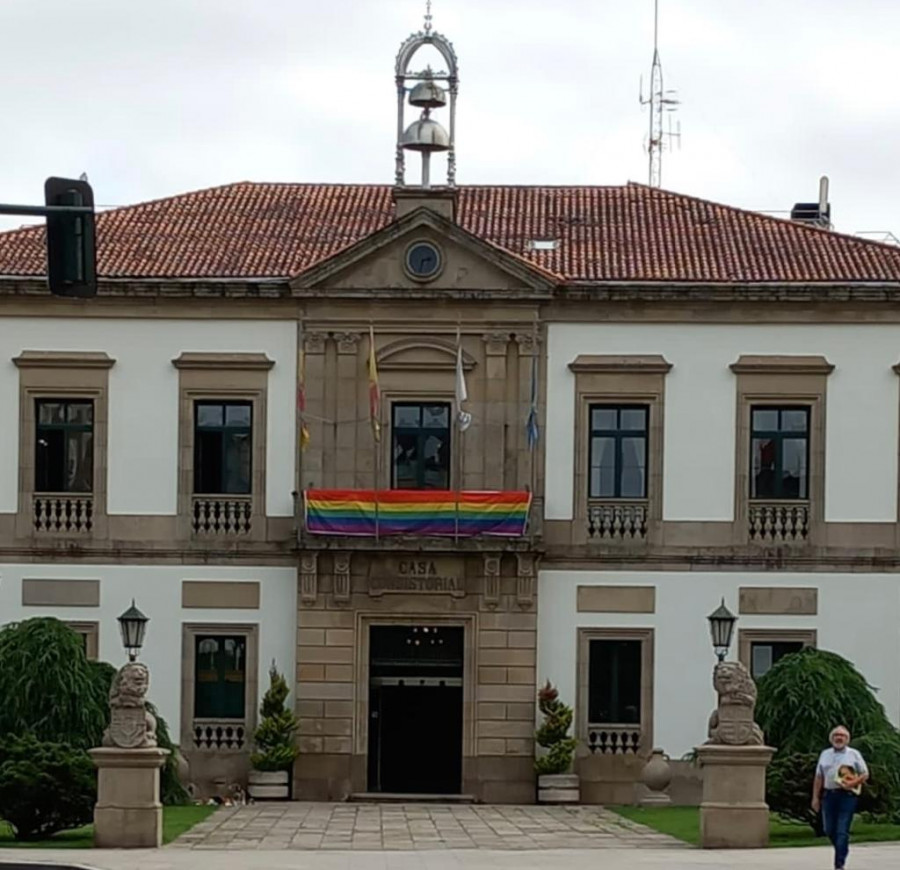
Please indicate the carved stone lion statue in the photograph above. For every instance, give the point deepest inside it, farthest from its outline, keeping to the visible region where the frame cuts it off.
(732, 723)
(131, 725)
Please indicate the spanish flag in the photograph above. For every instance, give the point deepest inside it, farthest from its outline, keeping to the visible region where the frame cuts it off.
(374, 390)
(301, 401)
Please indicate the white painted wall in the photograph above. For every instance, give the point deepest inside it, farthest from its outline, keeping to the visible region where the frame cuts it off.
(859, 618)
(143, 400)
(157, 591)
(861, 443)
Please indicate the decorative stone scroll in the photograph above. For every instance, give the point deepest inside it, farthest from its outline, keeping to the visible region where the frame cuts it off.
(131, 724)
(525, 580)
(314, 342)
(732, 723)
(342, 577)
(309, 578)
(347, 342)
(491, 581)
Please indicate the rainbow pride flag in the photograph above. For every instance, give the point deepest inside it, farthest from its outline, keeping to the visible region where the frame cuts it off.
(416, 512)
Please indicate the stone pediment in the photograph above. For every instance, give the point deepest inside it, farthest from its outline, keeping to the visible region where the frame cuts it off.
(421, 355)
(468, 264)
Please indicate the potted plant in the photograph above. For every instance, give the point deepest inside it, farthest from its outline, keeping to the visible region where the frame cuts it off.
(555, 783)
(274, 739)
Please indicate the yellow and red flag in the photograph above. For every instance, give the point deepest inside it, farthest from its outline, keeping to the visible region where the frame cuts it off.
(301, 401)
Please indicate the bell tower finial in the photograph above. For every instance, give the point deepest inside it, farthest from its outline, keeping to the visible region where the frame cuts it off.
(427, 93)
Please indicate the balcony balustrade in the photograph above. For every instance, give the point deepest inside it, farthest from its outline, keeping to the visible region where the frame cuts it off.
(221, 516)
(778, 522)
(617, 520)
(63, 513)
(614, 739)
(211, 735)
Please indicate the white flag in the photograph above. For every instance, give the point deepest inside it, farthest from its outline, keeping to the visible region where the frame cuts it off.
(464, 418)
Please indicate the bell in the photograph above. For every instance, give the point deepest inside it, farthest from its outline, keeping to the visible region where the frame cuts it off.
(425, 135)
(428, 95)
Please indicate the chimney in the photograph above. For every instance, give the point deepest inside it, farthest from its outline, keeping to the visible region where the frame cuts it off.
(816, 213)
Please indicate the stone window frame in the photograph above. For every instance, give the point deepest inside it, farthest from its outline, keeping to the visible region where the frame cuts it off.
(635, 379)
(364, 621)
(775, 380)
(401, 396)
(91, 632)
(189, 632)
(62, 375)
(749, 636)
(647, 637)
(222, 377)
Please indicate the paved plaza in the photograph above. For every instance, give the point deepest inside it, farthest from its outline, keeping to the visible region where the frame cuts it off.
(348, 836)
(403, 827)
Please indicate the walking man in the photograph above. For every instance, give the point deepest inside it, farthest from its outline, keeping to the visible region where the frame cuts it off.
(841, 772)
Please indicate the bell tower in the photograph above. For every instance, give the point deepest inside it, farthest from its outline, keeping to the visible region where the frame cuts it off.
(428, 91)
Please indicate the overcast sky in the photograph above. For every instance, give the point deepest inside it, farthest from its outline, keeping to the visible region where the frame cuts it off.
(157, 98)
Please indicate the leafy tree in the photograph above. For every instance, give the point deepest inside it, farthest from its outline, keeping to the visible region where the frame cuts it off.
(553, 734)
(274, 738)
(49, 687)
(44, 787)
(801, 699)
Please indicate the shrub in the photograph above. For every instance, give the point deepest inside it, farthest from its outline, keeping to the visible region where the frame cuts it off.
(51, 690)
(44, 787)
(274, 738)
(48, 686)
(553, 734)
(800, 700)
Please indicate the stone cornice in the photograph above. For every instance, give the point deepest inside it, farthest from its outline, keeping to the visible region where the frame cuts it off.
(223, 361)
(645, 364)
(781, 365)
(63, 359)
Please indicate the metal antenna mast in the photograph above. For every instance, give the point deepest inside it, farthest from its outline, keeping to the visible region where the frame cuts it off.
(662, 103)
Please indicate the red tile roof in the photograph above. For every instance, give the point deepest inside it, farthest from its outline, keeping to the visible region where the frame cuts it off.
(627, 233)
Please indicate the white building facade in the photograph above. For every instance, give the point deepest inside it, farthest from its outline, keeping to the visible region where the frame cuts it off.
(100, 491)
(747, 454)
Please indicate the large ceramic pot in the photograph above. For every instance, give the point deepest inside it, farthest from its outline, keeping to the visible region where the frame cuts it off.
(656, 775)
(558, 788)
(270, 785)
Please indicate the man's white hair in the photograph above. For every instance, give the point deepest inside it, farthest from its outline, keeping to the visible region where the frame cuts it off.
(837, 728)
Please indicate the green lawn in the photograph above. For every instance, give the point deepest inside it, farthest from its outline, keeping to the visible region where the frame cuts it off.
(176, 820)
(684, 823)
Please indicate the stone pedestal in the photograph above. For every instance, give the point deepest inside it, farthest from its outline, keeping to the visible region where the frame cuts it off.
(734, 813)
(128, 812)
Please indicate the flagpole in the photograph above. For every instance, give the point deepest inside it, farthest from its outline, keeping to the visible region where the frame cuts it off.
(533, 409)
(299, 505)
(460, 445)
(375, 423)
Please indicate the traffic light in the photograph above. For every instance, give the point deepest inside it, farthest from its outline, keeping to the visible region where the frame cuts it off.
(71, 246)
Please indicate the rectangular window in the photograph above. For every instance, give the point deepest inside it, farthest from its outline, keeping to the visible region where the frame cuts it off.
(779, 453)
(764, 654)
(614, 682)
(220, 676)
(223, 445)
(618, 451)
(420, 445)
(64, 445)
